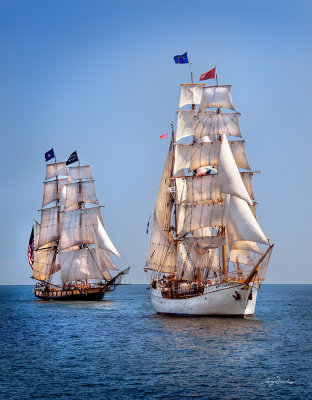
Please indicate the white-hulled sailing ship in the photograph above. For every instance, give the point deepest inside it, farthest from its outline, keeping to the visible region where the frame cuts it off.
(207, 254)
(71, 245)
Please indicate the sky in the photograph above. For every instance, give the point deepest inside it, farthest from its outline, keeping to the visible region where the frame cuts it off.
(98, 77)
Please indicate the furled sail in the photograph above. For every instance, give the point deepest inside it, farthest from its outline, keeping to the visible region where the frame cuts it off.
(50, 225)
(79, 172)
(202, 215)
(229, 178)
(56, 169)
(243, 225)
(216, 96)
(80, 192)
(190, 94)
(162, 252)
(211, 242)
(79, 265)
(52, 190)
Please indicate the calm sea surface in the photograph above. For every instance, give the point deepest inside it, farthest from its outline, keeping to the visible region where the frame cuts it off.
(119, 348)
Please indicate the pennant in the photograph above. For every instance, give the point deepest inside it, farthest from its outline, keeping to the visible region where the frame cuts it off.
(181, 59)
(72, 158)
(31, 246)
(165, 136)
(208, 75)
(49, 155)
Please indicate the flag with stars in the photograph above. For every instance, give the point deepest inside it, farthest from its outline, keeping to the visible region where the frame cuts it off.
(181, 59)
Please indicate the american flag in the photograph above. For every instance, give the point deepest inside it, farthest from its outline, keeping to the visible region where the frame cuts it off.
(31, 246)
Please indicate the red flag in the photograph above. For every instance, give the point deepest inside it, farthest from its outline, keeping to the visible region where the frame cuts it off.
(208, 75)
(165, 136)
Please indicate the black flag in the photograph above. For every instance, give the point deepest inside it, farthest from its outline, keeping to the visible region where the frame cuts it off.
(72, 158)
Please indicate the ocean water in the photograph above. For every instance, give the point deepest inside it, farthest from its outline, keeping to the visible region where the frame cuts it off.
(119, 348)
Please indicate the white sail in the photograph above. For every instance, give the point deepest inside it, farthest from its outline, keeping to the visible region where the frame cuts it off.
(229, 178)
(206, 123)
(80, 192)
(202, 215)
(164, 201)
(246, 177)
(50, 225)
(186, 123)
(243, 225)
(204, 154)
(241, 256)
(194, 156)
(56, 169)
(203, 188)
(104, 240)
(107, 261)
(52, 190)
(77, 227)
(99, 257)
(181, 191)
(44, 264)
(190, 94)
(79, 172)
(77, 265)
(162, 251)
(182, 157)
(216, 96)
(37, 234)
(245, 245)
(185, 268)
(205, 258)
(211, 124)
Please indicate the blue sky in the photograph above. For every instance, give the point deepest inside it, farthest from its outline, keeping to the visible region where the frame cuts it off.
(98, 77)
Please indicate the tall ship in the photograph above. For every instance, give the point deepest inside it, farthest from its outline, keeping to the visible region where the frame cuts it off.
(208, 254)
(70, 250)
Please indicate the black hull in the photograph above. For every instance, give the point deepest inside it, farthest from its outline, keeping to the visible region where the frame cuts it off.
(72, 295)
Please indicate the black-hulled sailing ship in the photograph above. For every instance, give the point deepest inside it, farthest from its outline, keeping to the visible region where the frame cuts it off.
(71, 258)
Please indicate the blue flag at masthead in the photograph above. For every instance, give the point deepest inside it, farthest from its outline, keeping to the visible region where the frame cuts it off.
(49, 155)
(181, 59)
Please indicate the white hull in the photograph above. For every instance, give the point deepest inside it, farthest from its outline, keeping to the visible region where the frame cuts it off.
(224, 299)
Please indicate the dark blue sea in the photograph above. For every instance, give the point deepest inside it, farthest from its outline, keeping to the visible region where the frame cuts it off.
(119, 348)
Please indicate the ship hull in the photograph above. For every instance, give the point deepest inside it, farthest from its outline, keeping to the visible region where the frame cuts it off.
(227, 299)
(88, 294)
